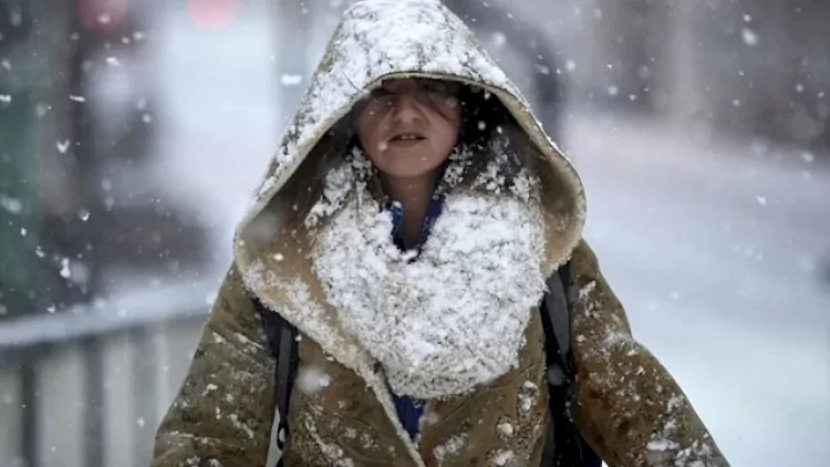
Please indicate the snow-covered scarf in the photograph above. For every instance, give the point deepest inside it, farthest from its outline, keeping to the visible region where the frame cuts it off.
(454, 317)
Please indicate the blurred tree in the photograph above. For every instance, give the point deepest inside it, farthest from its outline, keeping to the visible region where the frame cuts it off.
(17, 93)
(630, 33)
(763, 68)
(523, 49)
(64, 145)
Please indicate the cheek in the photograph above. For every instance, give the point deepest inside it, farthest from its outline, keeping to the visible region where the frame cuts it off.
(451, 128)
(368, 135)
(449, 108)
(452, 120)
(367, 125)
(363, 124)
(444, 141)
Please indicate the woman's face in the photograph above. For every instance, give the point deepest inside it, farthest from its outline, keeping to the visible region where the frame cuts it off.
(409, 127)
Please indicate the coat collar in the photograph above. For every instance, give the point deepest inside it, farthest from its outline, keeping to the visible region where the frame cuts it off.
(436, 204)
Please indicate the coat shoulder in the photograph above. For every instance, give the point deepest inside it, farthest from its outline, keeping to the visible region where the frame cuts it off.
(628, 406)
(225, 407)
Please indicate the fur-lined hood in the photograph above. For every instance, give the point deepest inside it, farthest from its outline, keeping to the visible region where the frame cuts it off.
(376, 40)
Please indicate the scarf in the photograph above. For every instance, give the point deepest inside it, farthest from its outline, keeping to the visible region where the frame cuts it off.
(454, 318)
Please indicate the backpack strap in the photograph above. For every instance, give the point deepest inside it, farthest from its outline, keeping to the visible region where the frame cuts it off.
(282, 338)
(565, 447)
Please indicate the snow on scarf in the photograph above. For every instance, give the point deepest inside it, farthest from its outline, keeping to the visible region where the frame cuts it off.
(454, 317)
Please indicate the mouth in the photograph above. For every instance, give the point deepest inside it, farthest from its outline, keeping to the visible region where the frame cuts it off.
(406, 138)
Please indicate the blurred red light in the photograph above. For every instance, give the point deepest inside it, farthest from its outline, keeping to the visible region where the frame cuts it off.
(102, 15)
(213, 14)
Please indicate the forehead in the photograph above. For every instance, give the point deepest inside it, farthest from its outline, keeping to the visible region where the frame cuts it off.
(394, 83)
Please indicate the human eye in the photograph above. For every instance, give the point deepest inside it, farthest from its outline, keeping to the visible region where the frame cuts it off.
(380, 92)
(381, 96)
(434, 87)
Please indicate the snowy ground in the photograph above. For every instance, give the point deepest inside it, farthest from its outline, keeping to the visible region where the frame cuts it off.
(714, 246)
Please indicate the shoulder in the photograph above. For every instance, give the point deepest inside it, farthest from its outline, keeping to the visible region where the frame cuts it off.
(583, 258)
(586, 278)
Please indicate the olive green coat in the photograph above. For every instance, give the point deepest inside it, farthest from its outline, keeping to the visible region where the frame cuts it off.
(626, 405)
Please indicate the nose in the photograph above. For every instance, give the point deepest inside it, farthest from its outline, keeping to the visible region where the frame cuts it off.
(405, 108)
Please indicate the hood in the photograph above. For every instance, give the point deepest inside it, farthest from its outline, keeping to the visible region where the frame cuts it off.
(376, 40)
(380, 39)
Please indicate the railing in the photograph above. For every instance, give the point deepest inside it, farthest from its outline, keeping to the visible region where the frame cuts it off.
(87, 387)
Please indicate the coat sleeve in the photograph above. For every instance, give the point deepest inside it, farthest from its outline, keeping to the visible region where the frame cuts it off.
(628, 407)
(225, 408)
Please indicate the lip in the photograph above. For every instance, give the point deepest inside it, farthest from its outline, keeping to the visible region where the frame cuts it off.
(406, 142)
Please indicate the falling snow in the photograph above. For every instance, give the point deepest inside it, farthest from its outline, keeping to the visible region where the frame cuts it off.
(11, 205)
(65, 271)
(291, 80)
(749, 37)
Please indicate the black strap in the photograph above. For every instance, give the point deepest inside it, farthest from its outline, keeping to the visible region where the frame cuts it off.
(565, 447)
(282, 338)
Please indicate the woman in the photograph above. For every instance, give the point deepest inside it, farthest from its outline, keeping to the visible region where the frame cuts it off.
(405, 233)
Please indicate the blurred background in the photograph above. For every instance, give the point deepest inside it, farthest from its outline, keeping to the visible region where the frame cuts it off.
(133, 132)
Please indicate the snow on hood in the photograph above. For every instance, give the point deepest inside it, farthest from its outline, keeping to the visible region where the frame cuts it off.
(376, 40)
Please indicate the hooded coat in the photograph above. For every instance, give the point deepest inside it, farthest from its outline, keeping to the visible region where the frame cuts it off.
(625, 404)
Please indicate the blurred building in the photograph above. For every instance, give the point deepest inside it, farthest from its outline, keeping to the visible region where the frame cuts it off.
(744, 67)
(77, 210)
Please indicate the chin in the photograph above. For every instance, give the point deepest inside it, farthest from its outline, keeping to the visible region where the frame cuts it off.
(407, 172)
(404, 170)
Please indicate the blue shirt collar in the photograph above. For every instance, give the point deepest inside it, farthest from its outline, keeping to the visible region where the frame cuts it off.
(436, 205)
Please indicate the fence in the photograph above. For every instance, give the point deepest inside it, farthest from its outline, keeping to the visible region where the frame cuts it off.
(87, 387)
